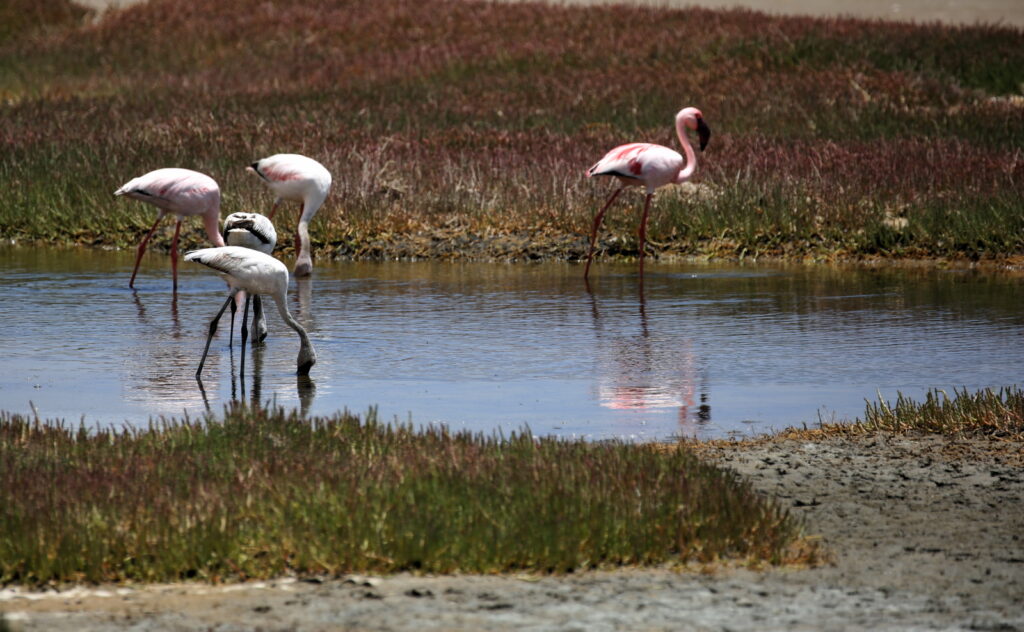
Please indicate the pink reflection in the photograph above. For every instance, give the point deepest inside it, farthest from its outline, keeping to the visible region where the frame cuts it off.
(646, 377)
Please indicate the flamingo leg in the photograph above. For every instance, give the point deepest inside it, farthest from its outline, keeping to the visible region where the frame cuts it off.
(231, 332)
(213, 330)
(273, 209)
(259, 325)
(643, 231)
(298, 236)
(597, 224)
(174, 254)
(245, 334)
(142, 249)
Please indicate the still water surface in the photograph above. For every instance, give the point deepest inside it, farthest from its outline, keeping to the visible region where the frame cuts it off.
(705, 350)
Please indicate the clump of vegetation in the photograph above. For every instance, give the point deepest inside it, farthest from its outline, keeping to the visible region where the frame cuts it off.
(262, 492)
(471, 123)
(987, 413)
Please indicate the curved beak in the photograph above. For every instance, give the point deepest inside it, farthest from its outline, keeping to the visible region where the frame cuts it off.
(704, 132)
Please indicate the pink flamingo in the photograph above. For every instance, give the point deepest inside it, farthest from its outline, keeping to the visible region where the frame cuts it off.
(296, 178)
(649, 165)
(182, 192)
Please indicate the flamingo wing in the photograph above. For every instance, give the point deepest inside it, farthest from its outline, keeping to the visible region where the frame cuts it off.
(625, 161)
(180, 191)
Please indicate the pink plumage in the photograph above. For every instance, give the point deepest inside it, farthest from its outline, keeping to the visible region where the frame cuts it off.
(651, 166)
(182, 192)
(296, 178)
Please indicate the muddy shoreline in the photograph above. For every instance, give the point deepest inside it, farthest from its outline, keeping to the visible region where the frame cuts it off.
(923, 533)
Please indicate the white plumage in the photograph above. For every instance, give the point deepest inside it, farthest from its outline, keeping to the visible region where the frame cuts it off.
(256, 273)
(254, 231)
(296, 178)
(250, 230)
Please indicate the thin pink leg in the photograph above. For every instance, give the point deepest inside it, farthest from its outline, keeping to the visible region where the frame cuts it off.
(174, 254)
(597, 224)
(643, 232)
(142, 249)
(273, 209)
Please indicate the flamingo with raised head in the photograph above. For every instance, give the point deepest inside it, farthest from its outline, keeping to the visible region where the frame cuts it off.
(254, 231)
(258, 274)
(182, 192)
(649, 165)
(296, 178)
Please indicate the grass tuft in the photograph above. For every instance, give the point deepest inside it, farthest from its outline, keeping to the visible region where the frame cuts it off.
(262, 493)
(985, 413)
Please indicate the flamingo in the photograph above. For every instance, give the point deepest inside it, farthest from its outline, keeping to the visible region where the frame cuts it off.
(180, 191)
(256, 273)
(296, 178)
(255, 231)
(651, 166)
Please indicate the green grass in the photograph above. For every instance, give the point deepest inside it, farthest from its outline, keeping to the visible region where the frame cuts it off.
(261, 493)
(987, 413)
(485, 115)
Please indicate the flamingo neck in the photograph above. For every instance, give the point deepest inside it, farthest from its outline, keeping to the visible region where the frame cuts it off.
(211, 222)
(691, 157)
(307, 355)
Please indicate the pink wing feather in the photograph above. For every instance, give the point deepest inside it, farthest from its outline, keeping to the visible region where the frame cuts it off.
(624, 161)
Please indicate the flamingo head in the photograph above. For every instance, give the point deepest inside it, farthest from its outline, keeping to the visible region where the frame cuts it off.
(694, 120)
(251, 230)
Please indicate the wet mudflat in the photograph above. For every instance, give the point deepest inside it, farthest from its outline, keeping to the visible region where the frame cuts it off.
(697, 349)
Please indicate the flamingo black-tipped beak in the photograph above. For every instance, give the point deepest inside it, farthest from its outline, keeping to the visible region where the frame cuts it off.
(305, 367)
(703, 132)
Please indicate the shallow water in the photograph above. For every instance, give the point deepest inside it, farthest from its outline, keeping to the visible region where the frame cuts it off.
(705, 350)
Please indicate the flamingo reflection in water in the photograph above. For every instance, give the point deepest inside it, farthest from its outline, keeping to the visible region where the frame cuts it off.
(641, 373)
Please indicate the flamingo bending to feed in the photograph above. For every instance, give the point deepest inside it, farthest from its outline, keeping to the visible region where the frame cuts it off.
(254, 231)
(180, 191)
(256, 273)
(651, 166)
(300, 179)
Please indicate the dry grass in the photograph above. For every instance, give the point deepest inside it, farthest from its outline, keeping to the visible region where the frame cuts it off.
(444, 119)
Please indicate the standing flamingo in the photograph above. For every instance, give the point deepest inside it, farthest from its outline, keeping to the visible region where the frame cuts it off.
(255, 231)
(256, 273)
(296, 178)
(649, 165)
(179, 191)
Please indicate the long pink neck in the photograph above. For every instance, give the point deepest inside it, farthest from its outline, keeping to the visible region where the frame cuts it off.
(211, 222)
(691, 158)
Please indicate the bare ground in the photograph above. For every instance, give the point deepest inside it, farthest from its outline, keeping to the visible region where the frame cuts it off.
(924, 534)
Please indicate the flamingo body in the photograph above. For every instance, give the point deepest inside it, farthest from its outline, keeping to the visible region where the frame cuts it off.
(181, 192)
(258, 274)
(256, 232)
(651, 166)
(646, 164)
(296, 178)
